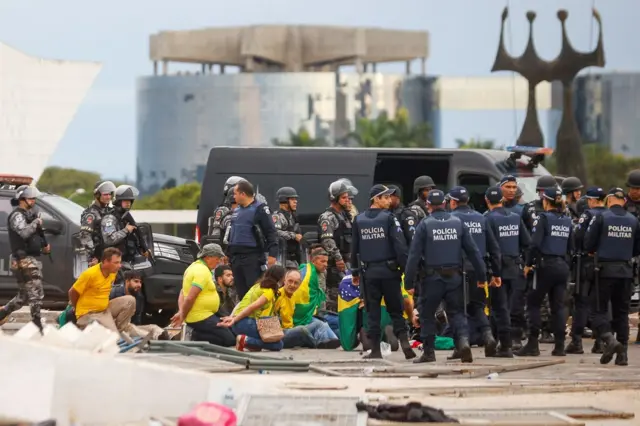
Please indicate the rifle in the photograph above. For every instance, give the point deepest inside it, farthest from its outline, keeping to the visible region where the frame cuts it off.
(43, 238)
(129, 220)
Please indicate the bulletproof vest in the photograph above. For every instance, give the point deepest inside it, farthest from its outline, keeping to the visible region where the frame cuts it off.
(444, 242)
(375, 245)
(476, 223)
(242, 222)
(130, 246)
(538, 209)
(96, 232)
(343, 235)
(556, 239)
(420, 204)
(507, 231)
(19, 246)
(215, 224)
(292, 245)
(617, 236)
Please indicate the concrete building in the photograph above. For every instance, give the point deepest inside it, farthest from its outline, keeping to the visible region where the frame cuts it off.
(289, 79)
(38, 100)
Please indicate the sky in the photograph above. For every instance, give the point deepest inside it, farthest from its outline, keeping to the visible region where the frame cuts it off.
(463, 42)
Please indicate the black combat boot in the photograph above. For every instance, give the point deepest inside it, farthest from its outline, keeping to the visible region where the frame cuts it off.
(575, 346)
(364, 339)
(504, 350)
(454, 355)
(611, 348)
(546, 337)
(407, 350)
(464, 349)
(429, 355)
(597, 346)
(558, 349)
(392, 340)
(531, 348)
(489, 343)
(622, 358)
(516, 340)
(638, 336)
(375, 353)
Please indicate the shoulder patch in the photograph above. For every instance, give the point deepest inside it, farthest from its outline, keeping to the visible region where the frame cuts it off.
(581, 220)
(218, 214)
(89, 219)
(324, 225)
(411, 222)
(275, 218)
(266, 209)
(535, 222)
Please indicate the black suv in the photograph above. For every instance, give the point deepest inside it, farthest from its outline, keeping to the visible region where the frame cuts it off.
(61, 222)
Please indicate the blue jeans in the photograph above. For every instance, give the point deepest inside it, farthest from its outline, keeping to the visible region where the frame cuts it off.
(249, 328)
(308, 336)
(332, 320)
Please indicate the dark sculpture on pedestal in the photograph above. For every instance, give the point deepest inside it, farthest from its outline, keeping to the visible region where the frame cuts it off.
(564, 69)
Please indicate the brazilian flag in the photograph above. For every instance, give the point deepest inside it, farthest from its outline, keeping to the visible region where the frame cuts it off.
(308, 297)
(349, 313)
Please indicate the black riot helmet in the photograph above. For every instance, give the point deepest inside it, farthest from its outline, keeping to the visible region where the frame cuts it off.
(571, 184)
(230, 183)
(104, 187)
(545, 182)
(283, 194)
(633, 179)
(341, 186)
(422, 182)
(126, 193)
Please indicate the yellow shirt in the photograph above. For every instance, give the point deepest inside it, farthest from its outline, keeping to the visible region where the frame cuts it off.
(405, 295)
(285, 307)
(207, 303)
(94, 289)
(254, 294)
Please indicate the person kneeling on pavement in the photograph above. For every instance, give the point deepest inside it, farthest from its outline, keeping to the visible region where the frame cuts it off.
(132, 286)
(89, 296)
(199, 300)
(226, 289)
(297, 301)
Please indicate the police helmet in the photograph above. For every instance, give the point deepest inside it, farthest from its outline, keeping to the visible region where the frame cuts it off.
(127, 192)
(104, 187)
(230, 183)
(26, 192)
(519, 192)
(633, 179)
(422, 182)
(283, 194)
(340, 187)
(545, 182)
(571, 184)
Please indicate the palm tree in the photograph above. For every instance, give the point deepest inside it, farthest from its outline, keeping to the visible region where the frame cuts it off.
(382, 132)
(302, 139)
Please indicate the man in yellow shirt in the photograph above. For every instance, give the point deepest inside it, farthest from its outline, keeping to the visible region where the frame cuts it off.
(199, 300)
(89, 295)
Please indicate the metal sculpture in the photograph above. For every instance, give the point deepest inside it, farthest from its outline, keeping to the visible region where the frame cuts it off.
(563, 68)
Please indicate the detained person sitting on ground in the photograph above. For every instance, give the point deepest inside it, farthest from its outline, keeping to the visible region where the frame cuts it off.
(89, 296)
(226, 289)
(199, 301)
(258, 303)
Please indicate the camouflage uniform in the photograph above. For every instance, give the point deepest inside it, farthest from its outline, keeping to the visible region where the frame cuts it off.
(419, 209)
(285, 223)
(335, 236)
(90, 235)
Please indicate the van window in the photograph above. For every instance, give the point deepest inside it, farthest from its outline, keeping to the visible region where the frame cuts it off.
(476, 185)
(5, 211)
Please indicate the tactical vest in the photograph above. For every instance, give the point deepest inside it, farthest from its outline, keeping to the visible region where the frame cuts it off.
(343, 235)
(444, 242)
(96, 231)
(292, 245)
(242, 222)
(420, 204)
(538, 209)
(477, 225)
(507, 231)
(19, 246)
(375, 245)
(556, 238)
(215, 224)
(617, 236)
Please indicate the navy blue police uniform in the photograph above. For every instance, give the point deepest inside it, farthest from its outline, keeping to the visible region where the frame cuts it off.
(252, 235)
(551, 243)
(584, 272)
(514, 240)
(614, 237)
(489, 250)
(406, 217)
(512, 205)
(440, 240)
(381, 250)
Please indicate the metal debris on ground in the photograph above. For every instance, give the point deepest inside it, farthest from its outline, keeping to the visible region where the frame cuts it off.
(583, 413)
(522, 417)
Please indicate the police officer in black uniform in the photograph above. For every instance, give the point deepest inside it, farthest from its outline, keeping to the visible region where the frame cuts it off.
(421, 187)
(90, 229)
(614, 237)
(405, 216)
(440, 240)
(216, 230)
(252, 235)
(380, 247)
(551, 243)
(489, 250)
(584, 263)
(509, 189)
(514, 240)
(633, 207)
(572, 190)
(287, 226)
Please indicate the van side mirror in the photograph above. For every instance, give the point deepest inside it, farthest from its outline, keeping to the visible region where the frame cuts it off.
(52, 226)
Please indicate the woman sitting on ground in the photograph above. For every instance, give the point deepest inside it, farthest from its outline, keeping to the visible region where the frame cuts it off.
(257, 303)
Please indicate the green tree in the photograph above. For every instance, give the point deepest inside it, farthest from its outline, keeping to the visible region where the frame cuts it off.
(69, 183)
(382, 132)
(302, 138)
(183, 197)
(474, 143)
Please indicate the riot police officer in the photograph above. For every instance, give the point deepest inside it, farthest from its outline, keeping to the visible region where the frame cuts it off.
(489, 250)
(509, 188)
(335, 235)
(216, 230)
(584, 270)
(421, 187)
(572, 190)
(90, 229)
(27, 242)
(252, 235)
(117, 227)
(440, 240)
(551, 243)
(405, 216)
(614, 237)
(514, 240)
(380, 248)
(287, 226)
